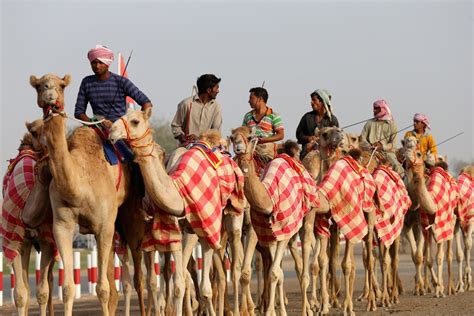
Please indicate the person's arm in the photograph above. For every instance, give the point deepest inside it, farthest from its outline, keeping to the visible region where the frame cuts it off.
(364, 137)
(334, 121)
(279, 135)
(300, 135)
(432, 146)
(178, 121)
(81, 104)
(388, 144)
(217, 121)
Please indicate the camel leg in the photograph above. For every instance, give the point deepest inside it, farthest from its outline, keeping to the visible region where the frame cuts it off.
(126, 282)
(385, 267)
(189, 242)
(449, 262)
(348, 267)
(276, 277)
(220, 274)
(371, 304)
(21, 291)
(137, 256)
(113, 296)
(166, 275)
(467, 251)
(266, 263)
(206, 287)
(418, 259)
(178, 280)
(333, 260)
(248, 306)
(323, 264)
(315, 269)
(394, 252)
(459, 257)
(365, 289)
(104, 248)
(429, 265)
(295, 253)
(43, 290)
(235, 236)
(307, 239)
(151, 285)
(439, 261)
(63, 234)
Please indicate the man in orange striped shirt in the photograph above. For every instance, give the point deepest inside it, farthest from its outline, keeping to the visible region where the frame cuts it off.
(269, 126)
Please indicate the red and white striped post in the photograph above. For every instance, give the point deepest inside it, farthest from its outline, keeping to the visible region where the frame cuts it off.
(37, 266)
(156, 265)
(89, 274)
(117, 271)
(12, 284)
(1, 278)
(198, 257)
(94, 270)
(227, 268)
(60, 279)
(77, 274)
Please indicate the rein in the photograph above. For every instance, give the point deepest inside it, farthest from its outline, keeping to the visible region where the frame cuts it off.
(133, 142)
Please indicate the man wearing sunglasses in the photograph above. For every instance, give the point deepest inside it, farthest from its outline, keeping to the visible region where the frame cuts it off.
(426, 141)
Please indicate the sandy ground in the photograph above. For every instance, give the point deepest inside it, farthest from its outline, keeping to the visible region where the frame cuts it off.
(460, 304)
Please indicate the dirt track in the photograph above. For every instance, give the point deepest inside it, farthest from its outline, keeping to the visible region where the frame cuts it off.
(460, 304)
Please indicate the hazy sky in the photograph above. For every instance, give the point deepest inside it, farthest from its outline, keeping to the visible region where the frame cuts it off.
(417, 55)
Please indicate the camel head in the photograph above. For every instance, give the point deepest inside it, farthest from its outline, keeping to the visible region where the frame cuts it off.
(414, 160)
(132, 126)
(240, 138)
(331, 138)
(35, 130)
(50, 89)
(350, 141)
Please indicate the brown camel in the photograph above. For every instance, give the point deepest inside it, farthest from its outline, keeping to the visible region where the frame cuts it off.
(31, 153)
(91, 204)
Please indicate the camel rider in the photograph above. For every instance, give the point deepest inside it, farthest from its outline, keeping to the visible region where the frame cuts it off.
(198, 113)
(106, 91)
(267, 123)
(321, 116)
(380, 133)
(426, 142)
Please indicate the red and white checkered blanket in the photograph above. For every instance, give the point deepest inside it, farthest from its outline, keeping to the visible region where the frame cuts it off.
(205, 191)
(443, 190)
(293, 193)
(466, 200)
(394, 201)
(17, 185)
(163, 233)
(349, 188)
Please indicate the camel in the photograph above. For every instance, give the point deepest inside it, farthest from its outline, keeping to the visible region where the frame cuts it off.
(331, 143)
(169, 193)
(465, 226)
(26, 176)
(91, 204)
(268, 199)
(437, 201)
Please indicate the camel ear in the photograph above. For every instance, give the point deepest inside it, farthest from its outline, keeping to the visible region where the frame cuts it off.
(66, 80)
(34, 82)
(28, 125)
(147, 113)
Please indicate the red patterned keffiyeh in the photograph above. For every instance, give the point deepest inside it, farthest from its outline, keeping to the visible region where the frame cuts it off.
(394, 201)
(443, 190)
(199, 183)
(163, 233)
(293, 193)
(17, 185)
(466, 200)
(349, 188)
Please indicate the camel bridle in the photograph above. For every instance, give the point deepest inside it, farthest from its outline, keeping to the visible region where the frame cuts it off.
(135, 142)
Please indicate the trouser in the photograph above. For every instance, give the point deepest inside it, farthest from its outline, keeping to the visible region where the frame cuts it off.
(396, 166)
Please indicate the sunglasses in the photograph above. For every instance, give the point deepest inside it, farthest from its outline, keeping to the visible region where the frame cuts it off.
(415, 121)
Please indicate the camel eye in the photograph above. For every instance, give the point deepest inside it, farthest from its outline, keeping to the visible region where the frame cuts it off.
(353, 139)
(34, 133)
(325, 135)
(135, 122)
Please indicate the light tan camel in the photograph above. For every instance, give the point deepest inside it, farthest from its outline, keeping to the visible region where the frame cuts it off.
(91, 204)
(465, 227)
(163, 191)
(439, 208)
(31, 148)
(263, 206)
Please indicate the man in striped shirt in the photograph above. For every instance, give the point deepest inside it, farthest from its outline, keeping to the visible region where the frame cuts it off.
(105, 91)
(268, 124)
